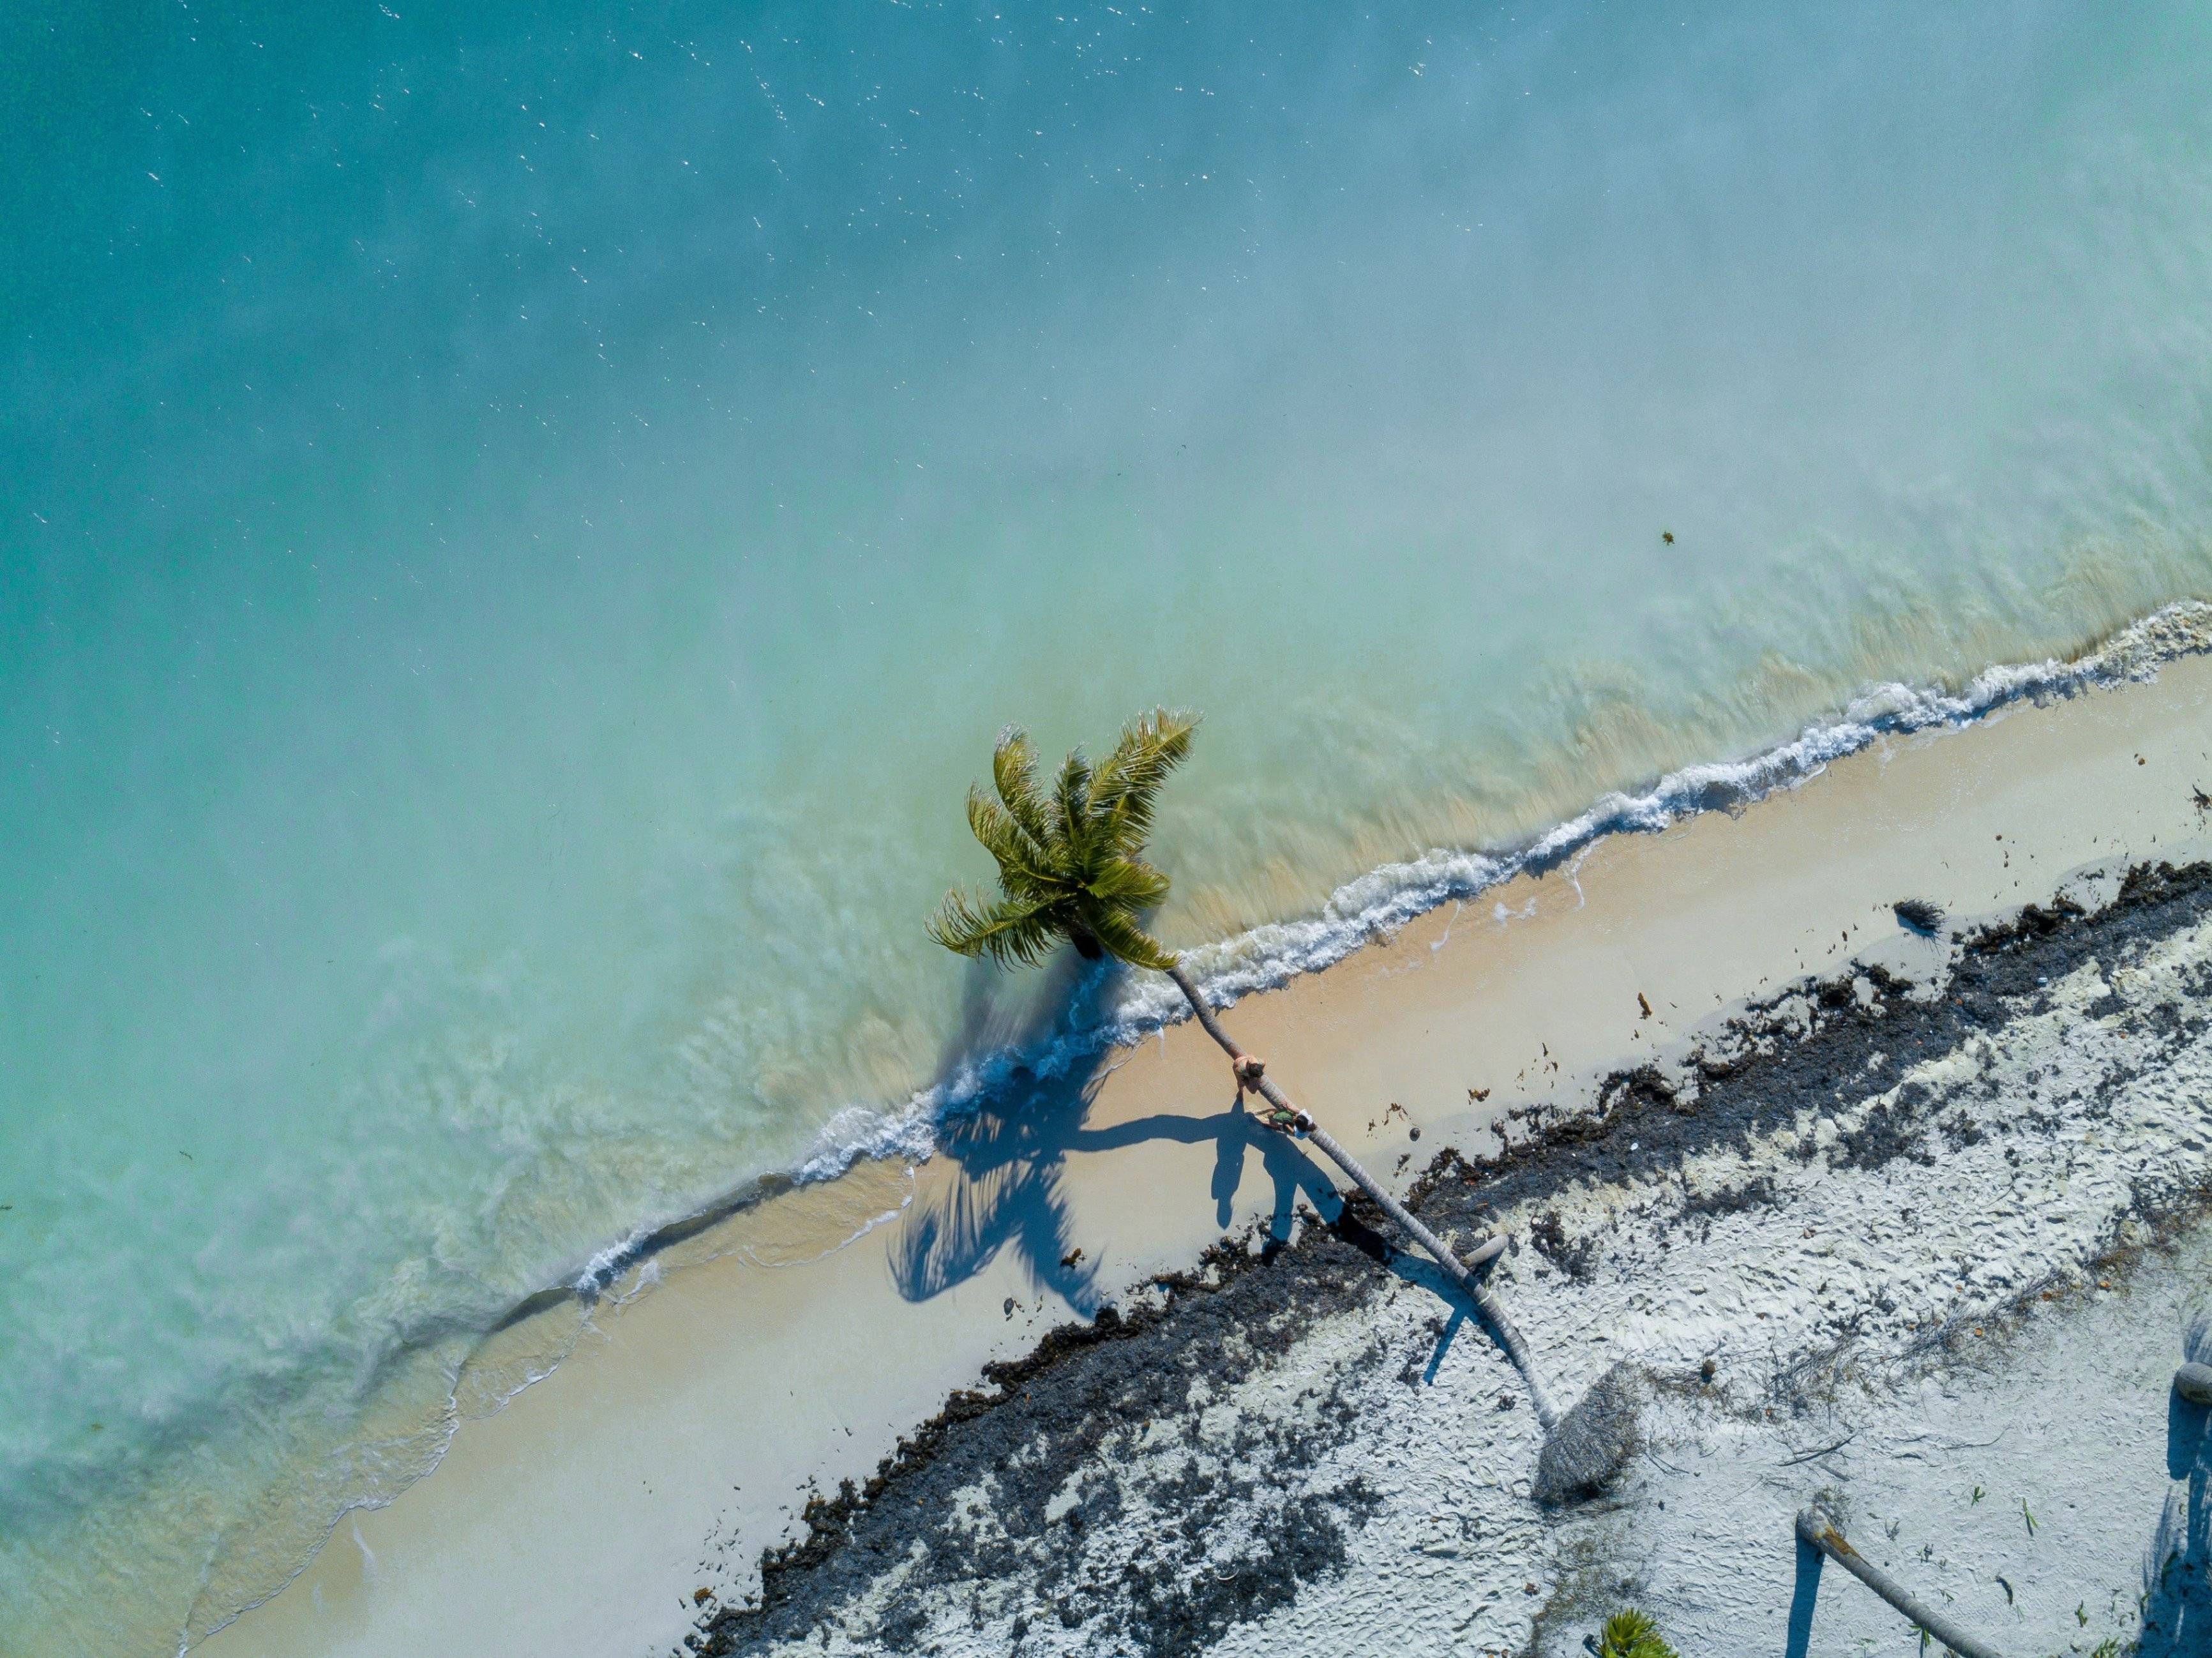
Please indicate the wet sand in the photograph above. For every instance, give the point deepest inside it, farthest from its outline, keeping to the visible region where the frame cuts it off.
(680, 1437)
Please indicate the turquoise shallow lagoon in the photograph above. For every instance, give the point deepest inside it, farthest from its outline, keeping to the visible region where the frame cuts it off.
(517, 523)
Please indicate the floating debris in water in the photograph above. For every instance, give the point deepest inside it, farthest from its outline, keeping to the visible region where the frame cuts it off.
(1918, 916)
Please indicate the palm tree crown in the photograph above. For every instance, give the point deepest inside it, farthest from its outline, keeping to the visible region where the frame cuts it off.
(1070, 862)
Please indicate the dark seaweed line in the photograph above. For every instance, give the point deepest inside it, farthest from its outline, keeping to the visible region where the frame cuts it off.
(1068, 1394)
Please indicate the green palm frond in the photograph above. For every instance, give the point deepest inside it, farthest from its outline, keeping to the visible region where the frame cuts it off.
(1070, 804)
(1152, 746)
(1125, 938)
(1025, 869)
(1125, 882)
(1630, 1634)
(1008, 932)
(1013, 774)
(1070, 862)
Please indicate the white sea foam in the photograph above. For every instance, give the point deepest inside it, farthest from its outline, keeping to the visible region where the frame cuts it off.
(1383, 900)
(858, 1133)
(608, 1264)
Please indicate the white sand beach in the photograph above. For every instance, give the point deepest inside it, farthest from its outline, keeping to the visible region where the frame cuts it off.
(684, 1433)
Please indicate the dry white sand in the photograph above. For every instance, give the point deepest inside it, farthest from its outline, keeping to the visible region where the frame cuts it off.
(1969, 1353)
(1821, 1311)
(678, 1439)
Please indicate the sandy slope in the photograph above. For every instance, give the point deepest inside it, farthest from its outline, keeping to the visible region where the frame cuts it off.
(680, 1437)
(1936, 1242)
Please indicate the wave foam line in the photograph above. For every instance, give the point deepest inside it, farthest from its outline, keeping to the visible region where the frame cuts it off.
(1379, 902)
(1374, 906)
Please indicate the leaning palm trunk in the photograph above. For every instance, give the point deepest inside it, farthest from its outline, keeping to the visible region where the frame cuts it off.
(1815, 1529)
(1248, 1071)
(1070, 867)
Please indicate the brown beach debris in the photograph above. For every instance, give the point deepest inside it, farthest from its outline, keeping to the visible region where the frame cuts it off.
(1919, 916)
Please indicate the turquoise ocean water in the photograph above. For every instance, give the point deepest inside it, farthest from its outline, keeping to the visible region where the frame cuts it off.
(517, 523)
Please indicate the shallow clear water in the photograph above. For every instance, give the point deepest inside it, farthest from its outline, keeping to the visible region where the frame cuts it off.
(514, 533)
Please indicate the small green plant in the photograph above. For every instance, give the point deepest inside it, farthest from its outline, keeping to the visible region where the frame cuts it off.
(1629, 1634)
(1978, 1494)
(2026, 1515)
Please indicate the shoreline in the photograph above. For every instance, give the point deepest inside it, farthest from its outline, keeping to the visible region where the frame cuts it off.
(1271, 956)
(1009, 1497)
(1122, 1187)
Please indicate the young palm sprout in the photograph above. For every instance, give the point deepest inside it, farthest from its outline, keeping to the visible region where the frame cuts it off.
(1630, 1634)
(1070, 867)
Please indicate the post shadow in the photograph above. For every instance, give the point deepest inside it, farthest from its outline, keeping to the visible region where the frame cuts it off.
(1444, 1340)
(2177, 1613)
(1799, 1633)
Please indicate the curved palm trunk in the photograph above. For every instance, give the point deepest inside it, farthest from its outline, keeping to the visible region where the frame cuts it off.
(1501, 1327)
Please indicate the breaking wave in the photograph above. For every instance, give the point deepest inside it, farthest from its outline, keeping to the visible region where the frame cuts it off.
(1378, 903)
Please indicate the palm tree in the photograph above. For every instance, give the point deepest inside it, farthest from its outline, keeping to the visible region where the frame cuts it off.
(1070, 867)
(1070, 862)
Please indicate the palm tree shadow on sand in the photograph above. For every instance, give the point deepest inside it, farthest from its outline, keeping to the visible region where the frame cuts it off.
(1010, 1153)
